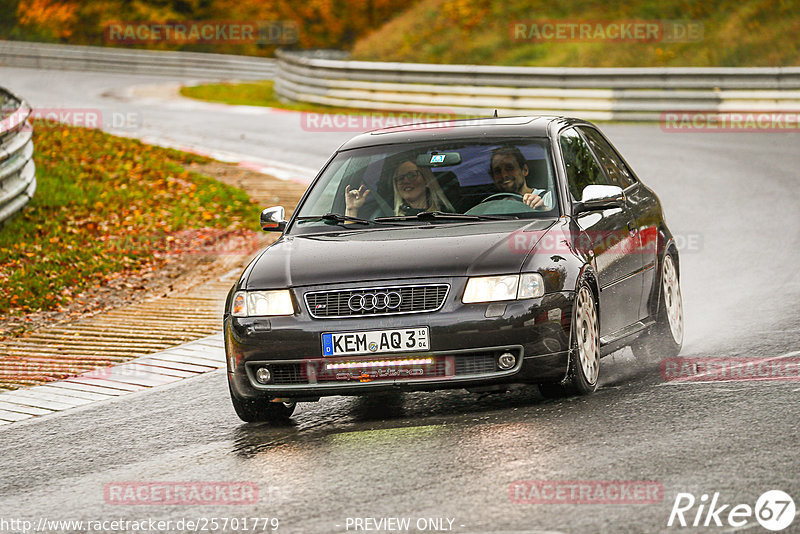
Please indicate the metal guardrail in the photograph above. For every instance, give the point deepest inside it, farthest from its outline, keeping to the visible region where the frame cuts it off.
(133, 61)
(592, 93)
(17, 170)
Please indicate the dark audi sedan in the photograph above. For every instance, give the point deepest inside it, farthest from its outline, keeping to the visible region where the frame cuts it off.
(465, 254)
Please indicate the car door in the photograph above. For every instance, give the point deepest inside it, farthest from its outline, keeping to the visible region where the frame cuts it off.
(608, 235)
(640, 202)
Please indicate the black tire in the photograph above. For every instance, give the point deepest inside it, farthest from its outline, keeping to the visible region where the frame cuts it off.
(251, 411)
(584, 357)
(665, 338)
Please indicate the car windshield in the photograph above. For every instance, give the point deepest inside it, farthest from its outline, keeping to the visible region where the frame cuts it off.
(478, 180)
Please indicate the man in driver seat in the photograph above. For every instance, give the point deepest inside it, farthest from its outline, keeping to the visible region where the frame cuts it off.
(509, 170)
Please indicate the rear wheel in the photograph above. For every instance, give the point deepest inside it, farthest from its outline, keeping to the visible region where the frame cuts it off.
(665, 338)
(252, 411)
(584, 359)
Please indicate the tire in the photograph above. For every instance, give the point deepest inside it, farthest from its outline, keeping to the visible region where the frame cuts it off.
(584, 357)
(251, 411)
(665, 338)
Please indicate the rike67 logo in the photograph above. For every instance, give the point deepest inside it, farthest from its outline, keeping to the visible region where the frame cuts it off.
(774, 510)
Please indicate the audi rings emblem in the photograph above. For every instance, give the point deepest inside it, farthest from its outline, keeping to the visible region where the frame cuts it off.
(389, 300)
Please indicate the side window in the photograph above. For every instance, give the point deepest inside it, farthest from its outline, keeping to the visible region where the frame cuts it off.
(582, 168)
(609, 159)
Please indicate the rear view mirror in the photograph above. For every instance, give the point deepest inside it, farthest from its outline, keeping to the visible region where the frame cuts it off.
(600, 197)
(273, 219)
(438, 159)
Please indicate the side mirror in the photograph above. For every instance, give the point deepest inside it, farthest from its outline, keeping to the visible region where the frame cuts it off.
(600, 197)
(273, 219)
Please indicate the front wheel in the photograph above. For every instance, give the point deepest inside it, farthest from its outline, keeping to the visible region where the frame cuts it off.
(584, 358)
(665, 338)
(251, 411)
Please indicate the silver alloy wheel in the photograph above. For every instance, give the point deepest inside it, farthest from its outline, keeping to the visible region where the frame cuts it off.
(587, 332)
(673, 303)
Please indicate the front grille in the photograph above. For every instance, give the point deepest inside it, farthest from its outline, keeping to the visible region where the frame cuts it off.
(288, 373)
(391, 300)
(473, 364)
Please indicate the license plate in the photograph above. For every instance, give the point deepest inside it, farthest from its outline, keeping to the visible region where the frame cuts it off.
(375, 341)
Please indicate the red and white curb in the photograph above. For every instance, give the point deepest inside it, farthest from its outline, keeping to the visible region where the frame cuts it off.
(150, 371)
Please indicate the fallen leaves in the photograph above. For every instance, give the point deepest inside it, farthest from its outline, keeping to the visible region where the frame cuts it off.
(106, 204)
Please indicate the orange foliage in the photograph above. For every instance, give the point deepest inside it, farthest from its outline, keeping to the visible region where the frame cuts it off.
(320, 23)
(56, 17)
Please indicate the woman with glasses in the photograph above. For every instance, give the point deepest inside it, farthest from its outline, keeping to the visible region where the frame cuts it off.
(415, 190)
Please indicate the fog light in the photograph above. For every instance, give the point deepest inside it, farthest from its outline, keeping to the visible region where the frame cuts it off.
(506, 361)
(263, 375)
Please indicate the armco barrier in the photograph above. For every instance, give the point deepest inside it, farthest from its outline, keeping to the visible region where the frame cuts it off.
(592, 93)
(134, 61)
(17, 171)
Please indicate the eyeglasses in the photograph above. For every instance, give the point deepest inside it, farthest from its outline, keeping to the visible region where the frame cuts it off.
(409, 176)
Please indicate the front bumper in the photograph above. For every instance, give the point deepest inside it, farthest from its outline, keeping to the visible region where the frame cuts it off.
(464, 346)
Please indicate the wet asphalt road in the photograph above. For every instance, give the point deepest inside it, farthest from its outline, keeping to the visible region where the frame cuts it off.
(733, 201)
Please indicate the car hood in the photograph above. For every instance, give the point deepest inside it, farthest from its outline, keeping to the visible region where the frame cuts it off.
(396, 253)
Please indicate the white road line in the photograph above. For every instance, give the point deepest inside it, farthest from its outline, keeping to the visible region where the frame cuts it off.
(154, 369)
(121, 386)
(23, 409)
(171, 366)
(72, 386)
(14, 416)
(72, 393)
(191, 356)
(36, 403)
(171, 357)
(39, 394)
(125, 375)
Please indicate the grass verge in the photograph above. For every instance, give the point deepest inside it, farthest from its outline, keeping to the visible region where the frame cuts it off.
(106, 205)
(262, 93)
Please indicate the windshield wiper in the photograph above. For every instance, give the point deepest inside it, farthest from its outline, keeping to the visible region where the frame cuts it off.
(442, 216)
(335, 217)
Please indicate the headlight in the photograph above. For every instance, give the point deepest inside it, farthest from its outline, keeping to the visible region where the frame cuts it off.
(491, 288)
(262, 303)
(508, 287)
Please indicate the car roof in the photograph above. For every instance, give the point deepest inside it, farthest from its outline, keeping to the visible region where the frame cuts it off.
(528, 126)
